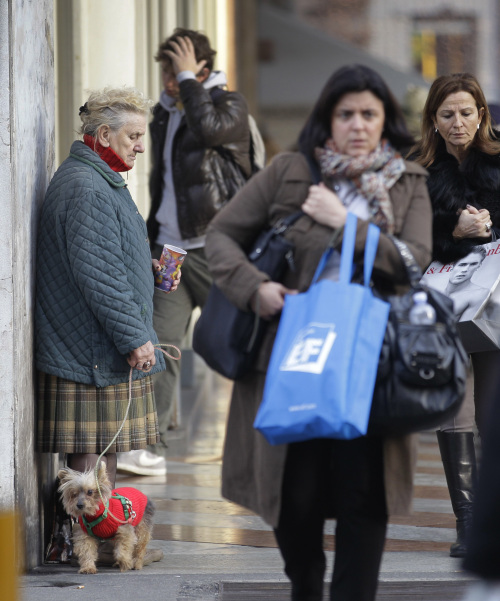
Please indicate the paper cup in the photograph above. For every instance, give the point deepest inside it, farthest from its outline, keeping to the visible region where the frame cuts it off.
(170, 265)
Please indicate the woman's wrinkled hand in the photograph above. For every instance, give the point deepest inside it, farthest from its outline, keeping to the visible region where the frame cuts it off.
(324, 207)
(175, 283)
(473, 223)
(270, 298)
(142, 358)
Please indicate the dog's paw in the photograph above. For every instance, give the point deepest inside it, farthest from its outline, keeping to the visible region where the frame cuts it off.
(88, 570)
(138, 564)
(125, 566)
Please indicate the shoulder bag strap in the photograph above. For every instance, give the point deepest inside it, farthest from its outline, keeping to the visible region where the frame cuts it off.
(412, 267)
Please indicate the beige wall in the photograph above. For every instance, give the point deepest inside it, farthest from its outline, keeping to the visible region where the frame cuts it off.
(43, 78)
(113, 43)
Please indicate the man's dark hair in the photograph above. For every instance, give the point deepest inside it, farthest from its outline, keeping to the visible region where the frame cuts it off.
(475, 250)
(355, 78)
(201, 44)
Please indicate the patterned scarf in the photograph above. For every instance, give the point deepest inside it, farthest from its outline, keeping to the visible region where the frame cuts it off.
(373, 175)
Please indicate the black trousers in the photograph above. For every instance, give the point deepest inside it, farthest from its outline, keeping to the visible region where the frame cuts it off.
(341, 478)
(483, 548)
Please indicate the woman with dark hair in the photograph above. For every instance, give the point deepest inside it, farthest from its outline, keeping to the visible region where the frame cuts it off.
(461, 152)
(349, 143)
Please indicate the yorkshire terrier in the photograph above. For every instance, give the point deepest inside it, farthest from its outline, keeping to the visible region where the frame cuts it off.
(124, 513)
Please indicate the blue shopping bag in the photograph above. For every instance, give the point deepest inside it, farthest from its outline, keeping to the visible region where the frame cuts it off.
(323, 367)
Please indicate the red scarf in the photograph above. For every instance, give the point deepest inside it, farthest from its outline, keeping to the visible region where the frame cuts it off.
(108, 155)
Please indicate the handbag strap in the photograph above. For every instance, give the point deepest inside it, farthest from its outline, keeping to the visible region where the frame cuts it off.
(413, 270)
(347, 254)
(277, 229)
(283, 224)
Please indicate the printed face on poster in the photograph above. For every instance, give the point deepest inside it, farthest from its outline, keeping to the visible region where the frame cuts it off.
(472, 283)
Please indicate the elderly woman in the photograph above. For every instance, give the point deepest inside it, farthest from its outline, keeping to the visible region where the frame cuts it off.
(461, 152)
(94, 301)
(350, 142)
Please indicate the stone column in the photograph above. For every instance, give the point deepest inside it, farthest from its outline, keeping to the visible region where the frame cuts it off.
(26, 166)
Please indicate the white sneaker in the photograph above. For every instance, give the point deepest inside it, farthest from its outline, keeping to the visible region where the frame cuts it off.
(141, 463)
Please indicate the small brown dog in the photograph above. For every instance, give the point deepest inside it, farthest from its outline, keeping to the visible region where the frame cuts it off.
(126, 514)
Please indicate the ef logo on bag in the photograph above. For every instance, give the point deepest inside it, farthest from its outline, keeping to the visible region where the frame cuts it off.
(310, 349)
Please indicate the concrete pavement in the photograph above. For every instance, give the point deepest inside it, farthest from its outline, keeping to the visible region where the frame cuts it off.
(214, 550)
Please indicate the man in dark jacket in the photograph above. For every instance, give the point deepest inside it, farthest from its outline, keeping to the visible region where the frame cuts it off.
(201, 157)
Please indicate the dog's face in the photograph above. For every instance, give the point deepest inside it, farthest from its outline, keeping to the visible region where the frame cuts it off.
(79, 493)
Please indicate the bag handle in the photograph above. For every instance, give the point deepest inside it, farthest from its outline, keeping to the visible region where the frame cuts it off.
(347, 255)
(371, 247)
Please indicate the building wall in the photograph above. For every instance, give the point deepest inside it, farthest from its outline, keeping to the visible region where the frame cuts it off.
(98, 43)
(43, 75)
(26, 165)
(7, 495)
(387, 28)
(124, 56)
(392, 24)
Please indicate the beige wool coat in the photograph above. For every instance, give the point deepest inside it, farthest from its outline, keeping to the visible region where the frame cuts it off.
(252, 471)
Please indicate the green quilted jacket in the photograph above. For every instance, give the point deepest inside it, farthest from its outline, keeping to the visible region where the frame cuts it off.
(94, 286)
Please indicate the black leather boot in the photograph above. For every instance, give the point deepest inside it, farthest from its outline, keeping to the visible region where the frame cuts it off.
(459, 462)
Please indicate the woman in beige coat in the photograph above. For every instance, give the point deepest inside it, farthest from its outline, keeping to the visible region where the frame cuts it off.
(349, 143)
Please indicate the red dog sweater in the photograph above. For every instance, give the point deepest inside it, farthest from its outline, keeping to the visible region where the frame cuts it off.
(103, 525)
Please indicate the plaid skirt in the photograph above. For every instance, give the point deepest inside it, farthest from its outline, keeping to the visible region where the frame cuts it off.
(79, 418)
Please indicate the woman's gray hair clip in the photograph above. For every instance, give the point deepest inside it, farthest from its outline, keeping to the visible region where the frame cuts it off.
(84, 109)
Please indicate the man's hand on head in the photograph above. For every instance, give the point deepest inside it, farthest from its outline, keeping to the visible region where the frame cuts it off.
(183, 56)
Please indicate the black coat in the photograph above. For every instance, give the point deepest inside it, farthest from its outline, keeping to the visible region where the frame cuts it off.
(210, 156)
(452, 186)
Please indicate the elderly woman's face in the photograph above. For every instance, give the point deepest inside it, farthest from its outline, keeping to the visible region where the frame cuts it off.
(129, 140)
(357, 123)
(457, 120)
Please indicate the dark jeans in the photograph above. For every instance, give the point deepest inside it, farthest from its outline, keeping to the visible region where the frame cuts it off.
(342, 478)
(171, 318)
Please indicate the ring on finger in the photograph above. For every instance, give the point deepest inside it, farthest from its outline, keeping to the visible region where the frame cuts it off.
(147, 365)
(488, 226)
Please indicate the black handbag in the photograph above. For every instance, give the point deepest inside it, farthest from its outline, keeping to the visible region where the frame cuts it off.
(227, 338)
(422, 368)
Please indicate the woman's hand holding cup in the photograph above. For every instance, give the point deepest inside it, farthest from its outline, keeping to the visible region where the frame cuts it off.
(175, 283)
(167, 270)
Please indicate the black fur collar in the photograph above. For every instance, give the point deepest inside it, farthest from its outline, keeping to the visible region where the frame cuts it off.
(452, 186)
(476, 181)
